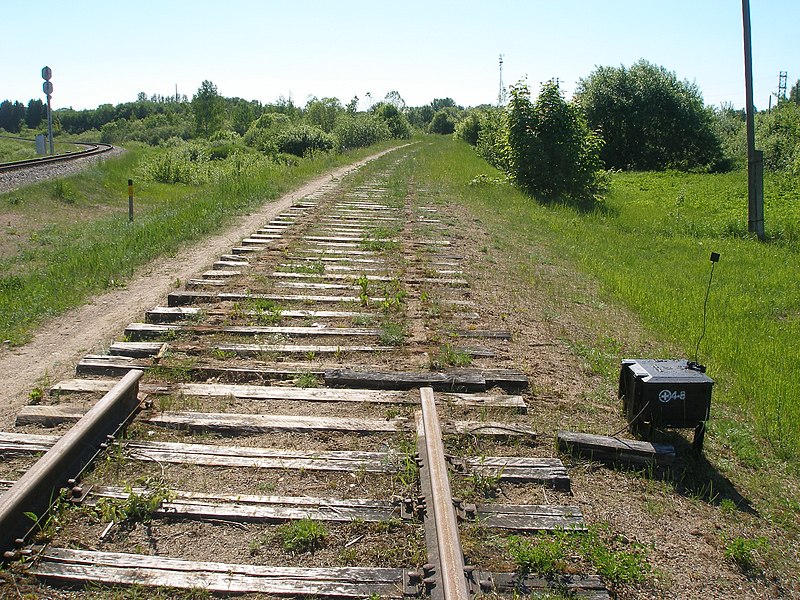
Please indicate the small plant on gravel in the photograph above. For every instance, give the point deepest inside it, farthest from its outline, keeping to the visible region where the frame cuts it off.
(305, 535)
(542, 555)
(35, 395)
(48, 523)
(264, 311)
(138, 507)
(486, 485)
(615, 559)
(392, 334)
(363, 296)
(306, 380)
(743, 551)
(220, 354)
(448, 356)
(407, 474)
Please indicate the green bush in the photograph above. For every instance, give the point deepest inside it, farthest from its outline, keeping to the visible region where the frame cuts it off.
(397, 122)
(469, 128)
(262, 132)
(302, 139)
(778, 135)
(359, 131)
(649, 119)
(549, 150)
(443, 122)
(490, 139)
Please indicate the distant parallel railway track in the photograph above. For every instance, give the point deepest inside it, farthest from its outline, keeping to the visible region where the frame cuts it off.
(90, 150)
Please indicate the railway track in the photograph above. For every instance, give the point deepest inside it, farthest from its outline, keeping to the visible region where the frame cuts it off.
(90, 150)
(324, 412)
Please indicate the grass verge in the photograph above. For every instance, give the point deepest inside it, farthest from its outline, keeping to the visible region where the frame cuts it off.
(67, 246)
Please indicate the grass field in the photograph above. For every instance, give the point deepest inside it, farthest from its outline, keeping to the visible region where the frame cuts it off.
(69, 238)
(648, 247)
(14, 149)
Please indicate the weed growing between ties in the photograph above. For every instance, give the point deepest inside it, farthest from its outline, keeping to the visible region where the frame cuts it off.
(546, 555)
(305, 535)
(307, 380)
(449, 356)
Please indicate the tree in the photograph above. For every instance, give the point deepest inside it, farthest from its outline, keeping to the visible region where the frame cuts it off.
(648, 118)
(443, 121)
(34, 113)
(794, 92)
(323, 113)
(11, 115)
(209, 109)
(549, 150)
(394, 118)
(396, 99)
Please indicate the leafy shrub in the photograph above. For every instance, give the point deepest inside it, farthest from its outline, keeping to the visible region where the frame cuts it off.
(648, 119)
(469, 128)
(490, 139)
(443, 122)
(778, 135)
(359, 131)
(262, 132)
(302, 139)
(396, 121)
(549, 150)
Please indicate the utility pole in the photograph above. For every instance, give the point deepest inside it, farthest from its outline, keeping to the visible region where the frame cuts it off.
(755, 158)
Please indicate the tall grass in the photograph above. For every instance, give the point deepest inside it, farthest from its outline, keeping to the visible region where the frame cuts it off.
(63, 263)
(650, 249)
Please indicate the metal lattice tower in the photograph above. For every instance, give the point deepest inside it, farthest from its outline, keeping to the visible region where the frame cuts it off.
(782, 85)
(501, 96)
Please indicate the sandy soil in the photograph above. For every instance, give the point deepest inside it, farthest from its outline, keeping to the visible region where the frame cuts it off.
(61, 342)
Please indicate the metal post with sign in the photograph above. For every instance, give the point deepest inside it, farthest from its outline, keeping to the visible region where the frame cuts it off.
(47, 88)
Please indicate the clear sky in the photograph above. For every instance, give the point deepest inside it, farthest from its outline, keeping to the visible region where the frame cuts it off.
(107, 51)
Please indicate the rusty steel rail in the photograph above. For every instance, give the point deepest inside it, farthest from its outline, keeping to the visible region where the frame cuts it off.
(91, 150)
(36, 490)
(451, 561)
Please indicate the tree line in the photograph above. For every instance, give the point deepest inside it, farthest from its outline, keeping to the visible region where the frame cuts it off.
(631, 118)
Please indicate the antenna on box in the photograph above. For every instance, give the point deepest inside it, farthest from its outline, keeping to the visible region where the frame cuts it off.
(694, 364)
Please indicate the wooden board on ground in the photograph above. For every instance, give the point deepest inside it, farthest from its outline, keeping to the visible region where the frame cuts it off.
(527, 517)
(261, 458)
(453, 379)
(256, 508)
(64, 564)
(604, 448)
(548, 471)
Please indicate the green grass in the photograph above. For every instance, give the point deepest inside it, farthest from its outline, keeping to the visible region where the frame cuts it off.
(304, 535)
(15, 149)
(649, 249)
(63, 246)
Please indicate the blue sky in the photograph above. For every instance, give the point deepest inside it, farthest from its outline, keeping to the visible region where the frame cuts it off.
(342, 48)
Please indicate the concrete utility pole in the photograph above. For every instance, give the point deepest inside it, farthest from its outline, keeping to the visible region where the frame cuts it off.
(755, 158)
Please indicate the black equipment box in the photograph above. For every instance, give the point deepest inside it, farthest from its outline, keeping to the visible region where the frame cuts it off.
(665, 393)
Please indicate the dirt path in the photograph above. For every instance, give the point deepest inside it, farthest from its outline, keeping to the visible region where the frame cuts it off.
(62, 341)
